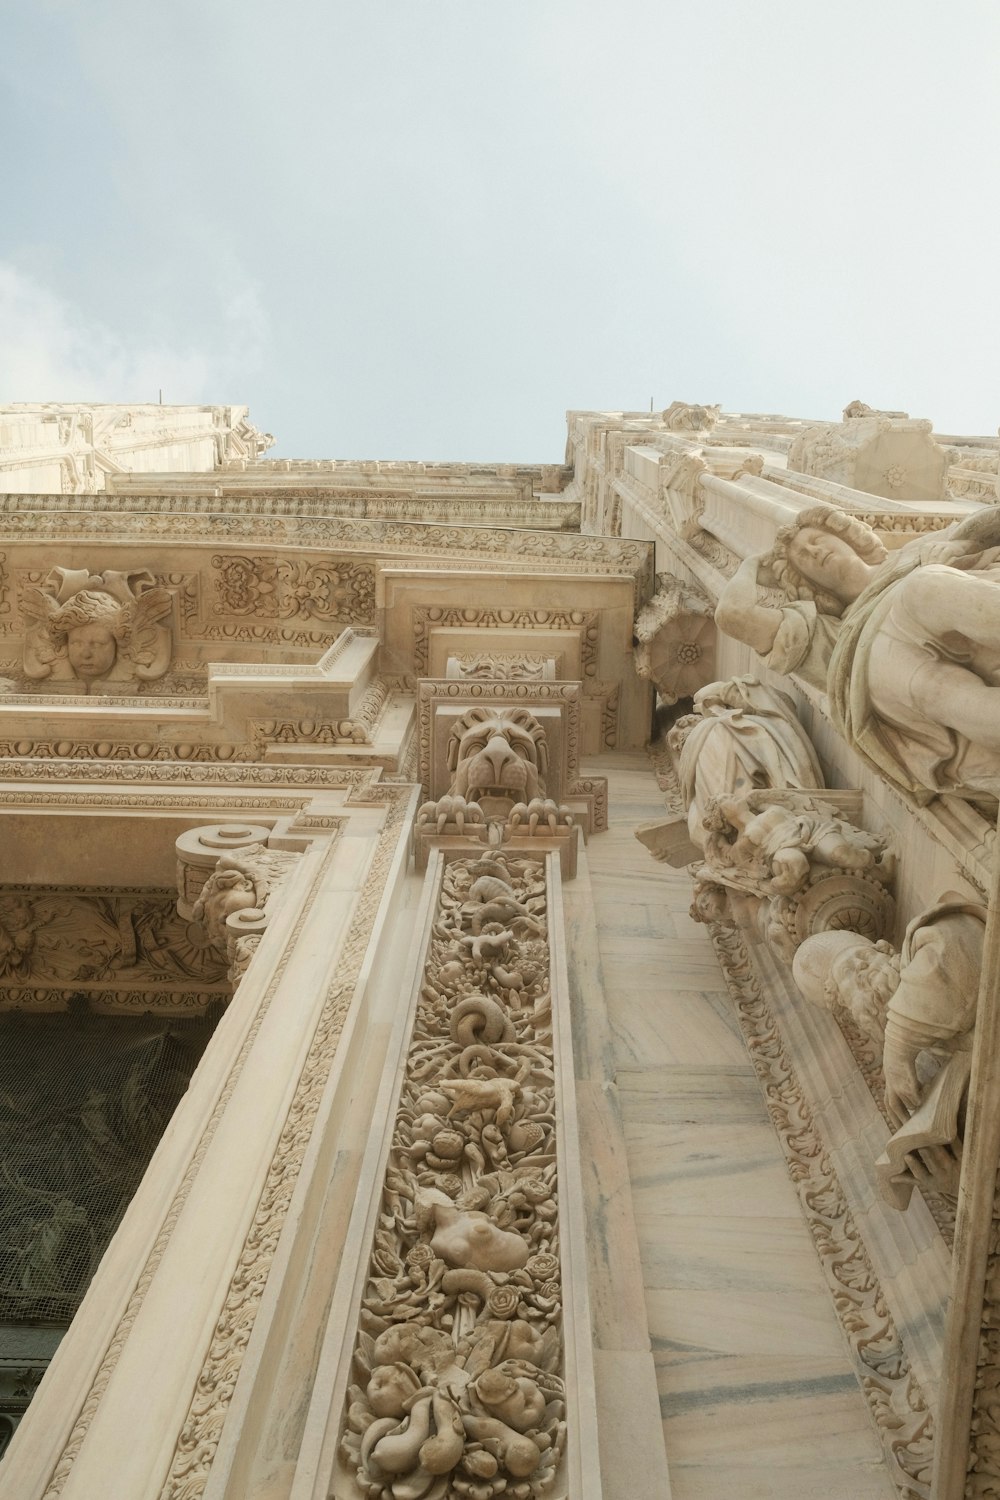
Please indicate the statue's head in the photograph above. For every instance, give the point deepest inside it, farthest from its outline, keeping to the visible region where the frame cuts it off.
(826, 556)
(848, 969)
(90, 624)
(502, 750)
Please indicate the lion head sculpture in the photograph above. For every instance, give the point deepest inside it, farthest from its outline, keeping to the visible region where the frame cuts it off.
(498, 752)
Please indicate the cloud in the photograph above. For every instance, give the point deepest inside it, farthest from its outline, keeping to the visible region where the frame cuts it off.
(51, 350)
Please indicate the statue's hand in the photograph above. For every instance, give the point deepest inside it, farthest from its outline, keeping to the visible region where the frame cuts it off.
(540, 810)
(902, 1087)
(450, 809)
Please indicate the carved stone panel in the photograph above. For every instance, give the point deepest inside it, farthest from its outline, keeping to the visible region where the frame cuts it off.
(459, 1369)
(292, 588)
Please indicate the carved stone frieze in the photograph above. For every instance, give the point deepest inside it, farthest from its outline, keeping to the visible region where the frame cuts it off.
(458, 1365)
(717, 553)
(279, 588)
(180, 1003)
(524, 666)
(90, 941)
(139, 519)
(177, 773)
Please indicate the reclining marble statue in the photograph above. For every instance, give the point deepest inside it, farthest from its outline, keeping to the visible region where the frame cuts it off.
(919, 1006)
(907, 645)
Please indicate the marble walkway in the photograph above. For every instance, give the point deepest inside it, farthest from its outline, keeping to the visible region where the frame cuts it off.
(757, 1395)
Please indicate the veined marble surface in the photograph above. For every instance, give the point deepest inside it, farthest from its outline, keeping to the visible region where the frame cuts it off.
(758, 1397)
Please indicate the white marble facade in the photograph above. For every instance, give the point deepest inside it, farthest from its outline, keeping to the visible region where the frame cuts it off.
(522, 1161)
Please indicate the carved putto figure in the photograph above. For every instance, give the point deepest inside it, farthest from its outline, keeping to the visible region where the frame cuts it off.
(91, 629)
(919, 1006)
(907, 646)
(804, 868)
(233, 906)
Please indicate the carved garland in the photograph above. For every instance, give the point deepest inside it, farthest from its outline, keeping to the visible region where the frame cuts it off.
(458, 1363)
(897, 1404)
(139, 773)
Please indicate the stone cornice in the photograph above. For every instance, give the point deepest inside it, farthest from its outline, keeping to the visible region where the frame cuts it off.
(270, 520)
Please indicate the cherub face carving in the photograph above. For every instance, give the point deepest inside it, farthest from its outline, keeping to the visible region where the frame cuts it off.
(90, 628)
(497, 751)
(89, 625)
(91, 650)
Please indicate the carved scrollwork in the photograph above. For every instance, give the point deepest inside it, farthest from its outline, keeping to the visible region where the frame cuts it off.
(278, 588)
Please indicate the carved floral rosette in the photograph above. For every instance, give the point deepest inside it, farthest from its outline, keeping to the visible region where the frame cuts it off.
(458, 1379)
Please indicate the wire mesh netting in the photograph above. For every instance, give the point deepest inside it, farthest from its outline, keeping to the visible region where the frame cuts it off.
(83, 1102)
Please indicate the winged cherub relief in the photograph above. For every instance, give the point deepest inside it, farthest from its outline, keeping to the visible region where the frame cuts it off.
(88, 629)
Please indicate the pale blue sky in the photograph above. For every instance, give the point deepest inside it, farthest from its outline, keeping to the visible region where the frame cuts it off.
(424, 228)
